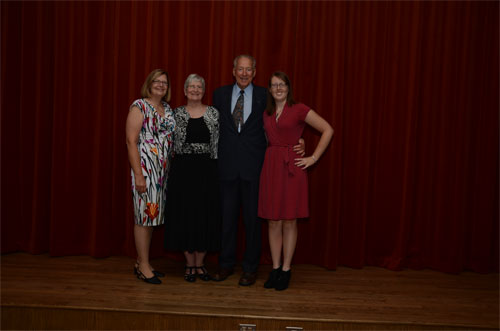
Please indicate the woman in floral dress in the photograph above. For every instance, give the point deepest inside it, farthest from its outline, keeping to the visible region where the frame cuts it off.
(150, 126)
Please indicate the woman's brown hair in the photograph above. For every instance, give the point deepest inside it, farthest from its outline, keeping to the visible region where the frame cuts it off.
(271, 104)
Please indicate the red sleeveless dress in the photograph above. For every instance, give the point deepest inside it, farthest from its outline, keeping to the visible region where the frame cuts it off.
(283, 189)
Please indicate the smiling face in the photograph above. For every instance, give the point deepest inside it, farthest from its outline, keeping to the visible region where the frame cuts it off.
(244, 72)
(278, 89)
(159, 86)
(194, 91)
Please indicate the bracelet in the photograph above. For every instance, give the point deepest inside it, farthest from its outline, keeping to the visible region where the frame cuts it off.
(314, 158)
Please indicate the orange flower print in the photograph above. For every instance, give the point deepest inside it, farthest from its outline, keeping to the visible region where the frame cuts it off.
(152, 210)
(154, 150)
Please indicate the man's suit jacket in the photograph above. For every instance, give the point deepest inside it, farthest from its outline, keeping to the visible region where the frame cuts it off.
(240, 153)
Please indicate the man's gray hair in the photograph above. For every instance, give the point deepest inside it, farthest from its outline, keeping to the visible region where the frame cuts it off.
(250, 57)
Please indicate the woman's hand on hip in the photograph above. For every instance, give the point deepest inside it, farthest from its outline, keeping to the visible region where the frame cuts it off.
(305, 162)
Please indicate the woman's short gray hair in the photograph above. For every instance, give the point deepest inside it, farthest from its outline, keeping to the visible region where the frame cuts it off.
(192, 77)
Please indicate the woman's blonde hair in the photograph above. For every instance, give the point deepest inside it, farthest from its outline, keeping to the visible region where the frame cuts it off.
(146, 87)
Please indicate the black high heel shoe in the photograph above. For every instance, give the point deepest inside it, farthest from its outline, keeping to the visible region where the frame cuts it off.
(151, 280)
(204, 275)
(158, 273)
(190, 274)
(155, 272)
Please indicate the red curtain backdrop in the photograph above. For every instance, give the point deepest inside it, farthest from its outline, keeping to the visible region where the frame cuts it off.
(411, 89)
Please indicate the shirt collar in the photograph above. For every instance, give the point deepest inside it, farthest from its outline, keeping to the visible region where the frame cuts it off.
(248, 90)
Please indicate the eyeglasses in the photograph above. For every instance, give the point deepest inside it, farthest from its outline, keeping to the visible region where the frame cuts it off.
(161, 82)
(248, 70)
(280, 85)
(194, 87)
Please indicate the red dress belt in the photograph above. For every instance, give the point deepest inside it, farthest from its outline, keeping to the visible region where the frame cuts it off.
(287, 162)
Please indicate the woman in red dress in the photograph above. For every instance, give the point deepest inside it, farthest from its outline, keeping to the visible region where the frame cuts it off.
(283, 192)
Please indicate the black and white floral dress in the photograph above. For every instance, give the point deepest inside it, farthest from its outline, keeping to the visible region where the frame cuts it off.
(193, 205)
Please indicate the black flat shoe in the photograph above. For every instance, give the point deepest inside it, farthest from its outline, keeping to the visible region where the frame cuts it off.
(283, 280)
(204, 275)
(151, 280)
(273, 277)
(190, 274)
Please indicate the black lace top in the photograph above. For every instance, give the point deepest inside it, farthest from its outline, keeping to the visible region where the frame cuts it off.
(183, 144)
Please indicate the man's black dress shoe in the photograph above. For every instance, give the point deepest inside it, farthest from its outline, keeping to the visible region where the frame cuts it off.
(222, 274)
(248, 278)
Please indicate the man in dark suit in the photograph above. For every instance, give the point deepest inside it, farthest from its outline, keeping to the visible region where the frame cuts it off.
(242, 145)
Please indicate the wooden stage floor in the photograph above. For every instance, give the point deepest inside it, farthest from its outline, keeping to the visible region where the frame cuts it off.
(80, 292)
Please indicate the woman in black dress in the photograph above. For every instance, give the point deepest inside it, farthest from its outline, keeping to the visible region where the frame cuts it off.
(193, 211)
